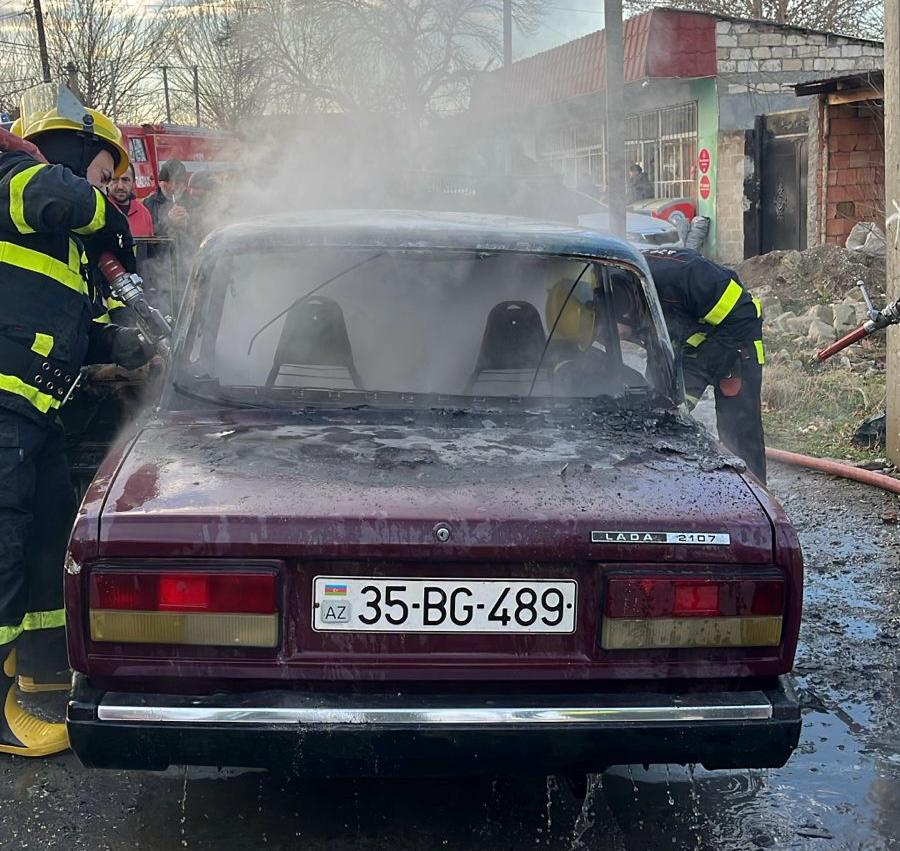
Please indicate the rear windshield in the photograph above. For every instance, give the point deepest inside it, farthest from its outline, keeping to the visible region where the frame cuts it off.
(348, 323)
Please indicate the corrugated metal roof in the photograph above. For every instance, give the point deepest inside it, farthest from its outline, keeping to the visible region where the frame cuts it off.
(661, 43)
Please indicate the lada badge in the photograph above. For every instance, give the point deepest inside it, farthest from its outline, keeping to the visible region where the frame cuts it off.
(717, 539)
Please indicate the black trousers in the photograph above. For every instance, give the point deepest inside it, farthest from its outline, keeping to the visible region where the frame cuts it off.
(37, 510)
(738, 417)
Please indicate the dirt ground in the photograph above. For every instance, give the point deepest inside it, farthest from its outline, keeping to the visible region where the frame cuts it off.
(841, 790)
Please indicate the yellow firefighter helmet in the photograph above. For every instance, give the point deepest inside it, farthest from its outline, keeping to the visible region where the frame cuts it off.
(577, 317)
(46, 108)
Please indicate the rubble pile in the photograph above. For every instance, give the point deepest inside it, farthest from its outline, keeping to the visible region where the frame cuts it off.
(825, 274)
(811, 298)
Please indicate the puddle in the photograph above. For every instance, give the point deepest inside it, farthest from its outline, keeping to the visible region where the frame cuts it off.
(840, 790)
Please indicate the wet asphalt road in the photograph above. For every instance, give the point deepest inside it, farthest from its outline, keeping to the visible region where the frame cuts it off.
(840, 790)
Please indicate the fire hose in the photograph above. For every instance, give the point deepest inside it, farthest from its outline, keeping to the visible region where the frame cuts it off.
(835, 468)
(128, 288)
(878, 319)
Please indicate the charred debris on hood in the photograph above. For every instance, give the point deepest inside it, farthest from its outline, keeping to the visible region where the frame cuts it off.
(388, 446)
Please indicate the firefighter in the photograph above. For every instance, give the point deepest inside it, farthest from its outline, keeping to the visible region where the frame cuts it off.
(717, 325)
(579, 355)
(53, 218)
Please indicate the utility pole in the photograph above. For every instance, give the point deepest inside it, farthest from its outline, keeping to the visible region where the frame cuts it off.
(42, 40)
(507, 33)
(197, 94)
(892, 199)
(615, 114)
(165, 71)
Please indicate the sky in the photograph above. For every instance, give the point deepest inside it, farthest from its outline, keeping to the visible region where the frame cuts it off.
(567, 19)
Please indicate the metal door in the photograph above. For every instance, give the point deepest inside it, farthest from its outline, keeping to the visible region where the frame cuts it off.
(782, 192)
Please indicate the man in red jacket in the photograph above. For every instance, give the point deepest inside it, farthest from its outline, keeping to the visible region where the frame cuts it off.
(121, 191)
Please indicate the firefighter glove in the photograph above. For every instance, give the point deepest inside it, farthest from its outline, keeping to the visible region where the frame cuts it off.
(130, 348)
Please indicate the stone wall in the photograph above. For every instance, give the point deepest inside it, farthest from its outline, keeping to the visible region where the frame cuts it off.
(730, 201)
(854, 147)
(759, 64)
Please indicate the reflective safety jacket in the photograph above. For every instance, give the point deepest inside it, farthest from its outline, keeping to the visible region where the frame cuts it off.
(52, 319)
(702, 300)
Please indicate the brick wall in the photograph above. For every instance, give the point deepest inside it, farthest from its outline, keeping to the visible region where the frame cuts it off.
(730, 202)
(854, 147)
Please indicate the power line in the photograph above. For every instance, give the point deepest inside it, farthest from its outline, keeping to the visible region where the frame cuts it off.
(18, 45)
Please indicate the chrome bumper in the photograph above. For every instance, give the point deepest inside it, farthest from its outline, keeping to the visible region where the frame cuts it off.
(306, 711)
(342, 734)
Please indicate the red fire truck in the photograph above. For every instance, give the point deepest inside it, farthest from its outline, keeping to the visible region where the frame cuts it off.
(150, 145)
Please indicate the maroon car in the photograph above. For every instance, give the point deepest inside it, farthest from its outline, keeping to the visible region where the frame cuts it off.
(410, 504)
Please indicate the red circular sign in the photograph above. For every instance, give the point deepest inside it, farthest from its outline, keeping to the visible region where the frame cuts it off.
(705, 187)
(704, 160)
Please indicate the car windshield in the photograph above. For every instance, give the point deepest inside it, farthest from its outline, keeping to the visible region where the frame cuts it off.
(368, 325)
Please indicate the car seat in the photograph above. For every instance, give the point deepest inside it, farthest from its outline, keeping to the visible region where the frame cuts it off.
(314, 349)
(511, 350)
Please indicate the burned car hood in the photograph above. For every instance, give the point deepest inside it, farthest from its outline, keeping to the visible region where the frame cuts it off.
(613, 485)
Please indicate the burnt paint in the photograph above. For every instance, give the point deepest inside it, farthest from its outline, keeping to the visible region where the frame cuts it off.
(521, 492)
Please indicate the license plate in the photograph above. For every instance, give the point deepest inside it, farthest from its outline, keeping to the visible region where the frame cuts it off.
(363, 604)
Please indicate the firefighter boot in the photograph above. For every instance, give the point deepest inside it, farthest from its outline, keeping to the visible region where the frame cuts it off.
(22, 733)
(42, 663)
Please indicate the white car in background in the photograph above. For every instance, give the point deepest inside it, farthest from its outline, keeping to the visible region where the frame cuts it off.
(642, 231)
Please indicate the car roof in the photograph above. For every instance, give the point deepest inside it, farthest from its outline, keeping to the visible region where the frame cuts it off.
(407, 229)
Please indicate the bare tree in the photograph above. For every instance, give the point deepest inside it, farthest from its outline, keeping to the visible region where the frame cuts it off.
(403, 56)
(424, 53)
(861, 18)
(234, 78)
(115, 45)
(310, 67)
(19, 59)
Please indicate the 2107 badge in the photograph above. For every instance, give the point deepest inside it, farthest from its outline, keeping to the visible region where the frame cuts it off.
(366, 604)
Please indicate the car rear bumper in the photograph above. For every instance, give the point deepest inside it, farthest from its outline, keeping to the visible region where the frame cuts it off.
(342, 734)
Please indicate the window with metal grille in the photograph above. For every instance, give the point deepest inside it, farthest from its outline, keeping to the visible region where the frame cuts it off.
(662, 141)
(576, 153)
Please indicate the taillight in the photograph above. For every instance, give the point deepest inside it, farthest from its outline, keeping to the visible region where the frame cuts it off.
(221, 608)
(662, 612)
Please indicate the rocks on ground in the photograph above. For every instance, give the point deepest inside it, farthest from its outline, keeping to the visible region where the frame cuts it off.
(811, 298)
(824, 274)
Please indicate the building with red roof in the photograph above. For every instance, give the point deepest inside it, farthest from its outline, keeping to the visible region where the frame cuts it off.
(698, 90)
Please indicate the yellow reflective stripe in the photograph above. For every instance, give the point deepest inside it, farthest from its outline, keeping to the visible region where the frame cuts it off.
(43, 344)
(115, 304)
(695, 339)
(758, 305)
(725, 304)
(760, 354)
(99, 217)
(42, 401)
(33, 620)
(102, 319)
(35, 261)
(17, 197)
(44, 620)
(692, 400)
(9, 634)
